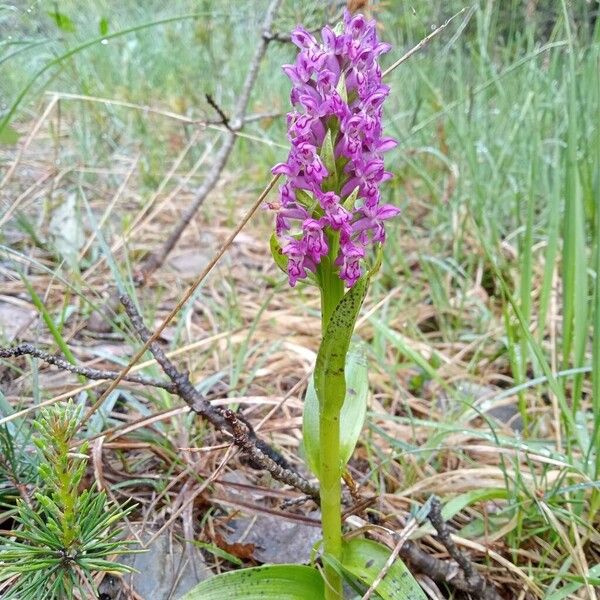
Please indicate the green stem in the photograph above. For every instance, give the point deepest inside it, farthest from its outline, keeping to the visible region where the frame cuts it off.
(332, 287)
(332, 290)
(331, 491)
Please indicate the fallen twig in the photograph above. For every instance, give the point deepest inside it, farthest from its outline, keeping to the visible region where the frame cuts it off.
(259, 452)
(261, 455)
(87, 372)
(477, 585)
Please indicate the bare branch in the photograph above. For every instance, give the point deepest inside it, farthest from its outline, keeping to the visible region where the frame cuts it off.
(260, 453)
(87, 372)
(282, 38)
(477, 585)
(218, 110)
(156, 259)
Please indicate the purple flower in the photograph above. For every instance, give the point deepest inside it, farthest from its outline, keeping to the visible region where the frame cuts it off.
(303, 39)
(337, 94)
(298, 261)
(349, 261)
(372, 221)
(284, 215)
(313, 235)
(336, 216)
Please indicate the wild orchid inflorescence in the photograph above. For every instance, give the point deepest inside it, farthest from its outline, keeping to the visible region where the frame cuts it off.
(330, 202)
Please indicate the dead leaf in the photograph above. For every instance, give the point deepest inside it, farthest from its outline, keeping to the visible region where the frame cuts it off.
(241, 551)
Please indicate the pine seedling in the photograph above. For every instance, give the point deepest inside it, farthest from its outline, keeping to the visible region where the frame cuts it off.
(66, 534)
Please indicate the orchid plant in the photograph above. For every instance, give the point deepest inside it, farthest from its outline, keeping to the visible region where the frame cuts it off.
(329, 232)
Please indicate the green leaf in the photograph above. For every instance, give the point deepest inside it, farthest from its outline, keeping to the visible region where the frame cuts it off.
(63, 21)
(103, 26)
(328, 157)
(279, 257)
(269, 582)
(9, 136)
(330, 383)
(352, 416)
(341, 88)
(363, 560)
(305, 199)
(351, 199)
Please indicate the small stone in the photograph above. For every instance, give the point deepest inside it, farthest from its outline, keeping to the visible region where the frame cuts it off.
(276, 540)
(167, 569)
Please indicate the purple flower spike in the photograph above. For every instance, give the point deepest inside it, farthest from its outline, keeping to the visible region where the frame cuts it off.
(338, 99)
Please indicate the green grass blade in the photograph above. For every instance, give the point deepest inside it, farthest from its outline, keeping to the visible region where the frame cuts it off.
(574, 269)
(595, 437)
(97, 40)
(47, 317)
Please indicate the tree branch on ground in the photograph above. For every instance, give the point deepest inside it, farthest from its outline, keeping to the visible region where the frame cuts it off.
(260, 453)
(87, 372)
(476, 584)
